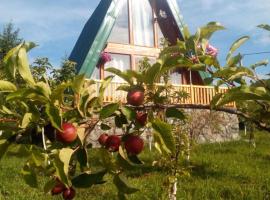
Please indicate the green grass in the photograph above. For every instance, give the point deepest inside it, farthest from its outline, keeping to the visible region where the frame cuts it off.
(232, 170)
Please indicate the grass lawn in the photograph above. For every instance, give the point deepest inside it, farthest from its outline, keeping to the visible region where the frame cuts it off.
(232, 170)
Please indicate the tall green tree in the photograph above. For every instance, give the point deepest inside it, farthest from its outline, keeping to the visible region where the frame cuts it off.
(66, 73)
(9, 38)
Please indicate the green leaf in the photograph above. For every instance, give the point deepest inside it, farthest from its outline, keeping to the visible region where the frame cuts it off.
(54, 116)
(122, 184)
(78, 83)
(129, 113)
(6, 86)
(216, 99)
(23, 67)
(105, 127)
(259, 64)
(125, 88)
(236, 45)
(61, 163)
(4, 144)
(86, 180)
(30, 176)
(175, 113)
(123, 75)
(29, 45)
(208, 80)
(81, 134)
(120, 120)
(126, 161)
(82, 158)
(43, 89)
(108, 110)
(152, 73)
(264, 26)
(235, 60)
(27, 119)
(4, 110)
(208, 30)
(105, 83)
(58, 92)
(160, 144)
(164, 131)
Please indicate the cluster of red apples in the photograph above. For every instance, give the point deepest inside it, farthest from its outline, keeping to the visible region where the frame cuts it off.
(132, 143)
(67, 193)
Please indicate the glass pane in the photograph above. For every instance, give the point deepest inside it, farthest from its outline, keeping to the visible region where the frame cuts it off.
(175, 78)
(142, 23)
(121, 62)
(139, 59)
(120, 32)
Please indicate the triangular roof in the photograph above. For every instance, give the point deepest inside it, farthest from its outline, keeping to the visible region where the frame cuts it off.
(97, 30)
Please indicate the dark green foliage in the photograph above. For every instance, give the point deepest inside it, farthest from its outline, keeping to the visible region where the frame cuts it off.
(9, 38)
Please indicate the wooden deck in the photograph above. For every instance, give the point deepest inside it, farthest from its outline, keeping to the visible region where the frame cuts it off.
(197, 95)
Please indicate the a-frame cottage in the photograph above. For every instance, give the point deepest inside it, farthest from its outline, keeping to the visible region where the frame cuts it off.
(130, 30)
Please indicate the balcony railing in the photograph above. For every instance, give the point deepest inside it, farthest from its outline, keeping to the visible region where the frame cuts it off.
(197, 94)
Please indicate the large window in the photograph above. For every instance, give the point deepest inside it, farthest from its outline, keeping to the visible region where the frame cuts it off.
(139, 59)
(143, 29)
(120, 32)
(119, 61)
(176, 78)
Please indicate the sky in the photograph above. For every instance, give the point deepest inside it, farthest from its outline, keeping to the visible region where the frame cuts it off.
(55, 25)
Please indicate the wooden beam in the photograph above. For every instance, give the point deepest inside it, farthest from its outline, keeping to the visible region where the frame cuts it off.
(130, 23)
(132, 50)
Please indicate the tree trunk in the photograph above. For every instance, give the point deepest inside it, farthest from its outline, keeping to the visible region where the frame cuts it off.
(173, 190)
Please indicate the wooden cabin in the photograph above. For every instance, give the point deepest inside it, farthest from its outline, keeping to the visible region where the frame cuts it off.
(130, 30)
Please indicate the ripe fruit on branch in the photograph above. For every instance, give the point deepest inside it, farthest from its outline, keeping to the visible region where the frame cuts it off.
(113, 142)
(141, 118)
(135, 97)
(134, 144)
(58, 188)
(102, 139)
(69, 133)
(69, 193)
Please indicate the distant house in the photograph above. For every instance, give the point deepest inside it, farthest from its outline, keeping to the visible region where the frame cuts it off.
(130, 30)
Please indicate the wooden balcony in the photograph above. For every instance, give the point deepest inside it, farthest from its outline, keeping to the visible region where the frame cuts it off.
(197, 94)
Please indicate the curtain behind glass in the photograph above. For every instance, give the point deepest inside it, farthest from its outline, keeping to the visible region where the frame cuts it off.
(142, 23)
(120, 31)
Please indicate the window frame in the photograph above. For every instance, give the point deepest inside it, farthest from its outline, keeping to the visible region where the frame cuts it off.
(131, 49)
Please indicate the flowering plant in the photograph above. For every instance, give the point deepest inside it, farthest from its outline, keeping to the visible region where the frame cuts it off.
(105, 57)
(211, 50)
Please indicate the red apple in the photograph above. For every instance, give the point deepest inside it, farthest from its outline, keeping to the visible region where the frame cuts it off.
(113, 142)
(69, 193)
(135, 97)
(58, 188)
(102, 139)
(134, 144)
(141, 118)
(69, 133)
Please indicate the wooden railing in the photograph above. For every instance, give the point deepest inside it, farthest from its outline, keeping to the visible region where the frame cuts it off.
(197, 94)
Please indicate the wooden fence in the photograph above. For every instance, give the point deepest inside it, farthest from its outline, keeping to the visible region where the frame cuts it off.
(196, 94)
